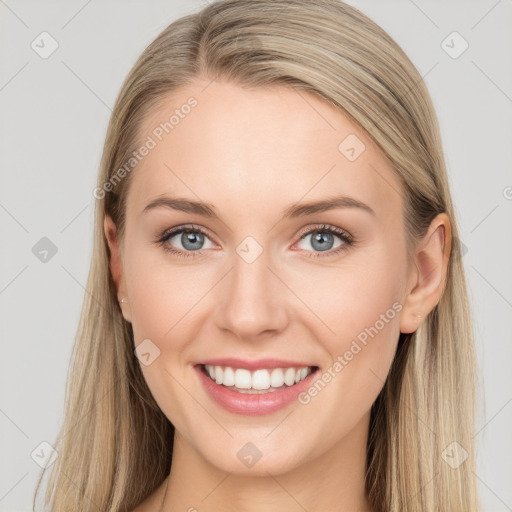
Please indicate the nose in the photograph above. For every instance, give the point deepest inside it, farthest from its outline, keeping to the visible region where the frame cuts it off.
(252, 301)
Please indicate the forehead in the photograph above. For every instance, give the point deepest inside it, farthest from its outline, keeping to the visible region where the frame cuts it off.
(250, 148)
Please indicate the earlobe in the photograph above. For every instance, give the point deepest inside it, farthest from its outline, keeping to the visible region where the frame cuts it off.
(428, 276)
(115, 264)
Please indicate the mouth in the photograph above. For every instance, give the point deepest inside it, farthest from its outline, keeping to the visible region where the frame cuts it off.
(263, 388)
(258, 381)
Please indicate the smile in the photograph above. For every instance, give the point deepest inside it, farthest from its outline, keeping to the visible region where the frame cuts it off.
(257, 381)
(254, 391)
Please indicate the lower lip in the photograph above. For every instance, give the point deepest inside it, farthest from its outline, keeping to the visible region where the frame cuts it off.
(252, 404)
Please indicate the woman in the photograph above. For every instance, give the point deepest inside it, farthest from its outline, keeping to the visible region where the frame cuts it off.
(277, 315)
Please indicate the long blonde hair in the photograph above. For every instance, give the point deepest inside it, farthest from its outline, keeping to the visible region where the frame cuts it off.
(115, 444)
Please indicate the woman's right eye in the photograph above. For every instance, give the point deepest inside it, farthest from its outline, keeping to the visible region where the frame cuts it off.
(190, 239)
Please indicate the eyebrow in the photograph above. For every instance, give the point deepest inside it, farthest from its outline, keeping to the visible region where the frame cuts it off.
(296, 210)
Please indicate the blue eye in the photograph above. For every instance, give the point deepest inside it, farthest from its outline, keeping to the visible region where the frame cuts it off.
(192, 240)
(322, 239)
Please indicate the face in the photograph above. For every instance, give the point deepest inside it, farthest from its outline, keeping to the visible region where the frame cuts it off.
(254, 280)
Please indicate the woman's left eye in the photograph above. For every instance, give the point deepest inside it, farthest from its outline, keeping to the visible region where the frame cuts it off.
(192, 238)
(322, 239)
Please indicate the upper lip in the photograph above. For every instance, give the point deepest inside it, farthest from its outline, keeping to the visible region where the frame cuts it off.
(255, 364)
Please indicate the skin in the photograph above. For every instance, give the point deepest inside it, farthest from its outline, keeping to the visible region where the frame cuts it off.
(251, 153)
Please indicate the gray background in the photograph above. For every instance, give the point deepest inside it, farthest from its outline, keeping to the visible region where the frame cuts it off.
(54, 117)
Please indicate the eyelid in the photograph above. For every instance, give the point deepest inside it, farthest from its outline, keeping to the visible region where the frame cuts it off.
(184, 227)
(304, 231)
(325, 227)
(346, 238)
(176, 230)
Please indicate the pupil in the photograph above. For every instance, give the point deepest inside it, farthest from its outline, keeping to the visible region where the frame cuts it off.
(321, 239)
(191, 240)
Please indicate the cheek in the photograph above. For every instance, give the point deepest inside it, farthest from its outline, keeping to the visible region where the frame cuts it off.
(162, 294)
(362, 310)
(161, 300)
(355, 295)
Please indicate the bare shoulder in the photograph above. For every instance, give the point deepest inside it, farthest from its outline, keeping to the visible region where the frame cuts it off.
(153, 501)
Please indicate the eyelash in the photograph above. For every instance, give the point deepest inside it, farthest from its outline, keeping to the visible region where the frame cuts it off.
(347, 239)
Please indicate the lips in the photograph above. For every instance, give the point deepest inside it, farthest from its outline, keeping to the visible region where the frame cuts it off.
(251, 397)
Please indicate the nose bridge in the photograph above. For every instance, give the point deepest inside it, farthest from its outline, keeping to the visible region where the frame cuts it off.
(253, 300)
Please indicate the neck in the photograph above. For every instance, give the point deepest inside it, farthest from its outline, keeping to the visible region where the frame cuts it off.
(333, 480)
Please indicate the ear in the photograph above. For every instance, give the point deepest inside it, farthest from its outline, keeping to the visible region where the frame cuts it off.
(116, 265)
(428, 274)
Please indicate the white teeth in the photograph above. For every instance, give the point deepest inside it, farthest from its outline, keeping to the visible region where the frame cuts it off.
(277, 378)
(289, 377)
(259, 380)
(242, 378)
(228, 378)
